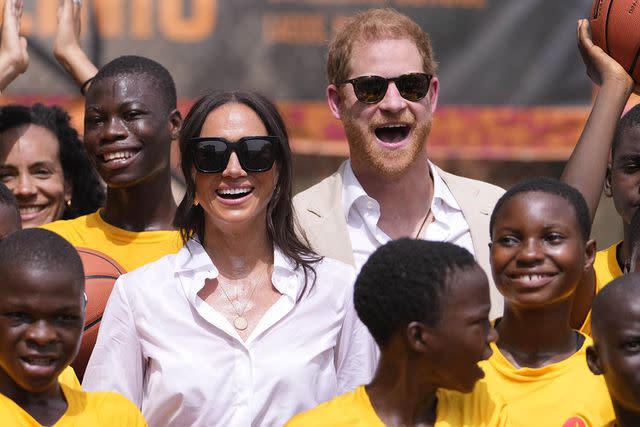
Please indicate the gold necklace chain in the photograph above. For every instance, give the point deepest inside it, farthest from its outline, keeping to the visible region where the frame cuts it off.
(240, 322)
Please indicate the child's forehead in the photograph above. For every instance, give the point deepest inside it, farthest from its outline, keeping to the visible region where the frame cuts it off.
(27, 282)
(526, 202)
(629, 142)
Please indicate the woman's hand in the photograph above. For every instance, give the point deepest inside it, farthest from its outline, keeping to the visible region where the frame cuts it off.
(14, 58)
(66, 46)
(601, 67)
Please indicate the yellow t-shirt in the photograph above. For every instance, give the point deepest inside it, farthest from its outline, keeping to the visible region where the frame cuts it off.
(606, 268)
(84, 409)
(561, 394)
(454, 409)
(129, 249)
(69, 378)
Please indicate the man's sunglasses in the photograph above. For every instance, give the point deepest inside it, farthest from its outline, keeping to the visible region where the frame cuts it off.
(371, 89)
(255, 153)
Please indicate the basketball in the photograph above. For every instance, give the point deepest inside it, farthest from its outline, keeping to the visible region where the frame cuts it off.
(100, 273)
(615, 27)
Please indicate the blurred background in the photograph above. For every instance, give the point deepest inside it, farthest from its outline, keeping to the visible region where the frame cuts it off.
(513, 91)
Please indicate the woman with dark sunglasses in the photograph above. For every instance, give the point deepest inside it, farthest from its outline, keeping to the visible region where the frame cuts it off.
(246, 325)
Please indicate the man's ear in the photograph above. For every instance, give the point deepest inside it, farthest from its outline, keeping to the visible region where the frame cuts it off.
(334, 99)
(433, 93)
(607, 179)
(593, 360)
(175, 124)
(417, 337)
(590, 254)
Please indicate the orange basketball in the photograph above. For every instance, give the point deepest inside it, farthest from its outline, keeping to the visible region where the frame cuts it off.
(100, 273)
(615, 27)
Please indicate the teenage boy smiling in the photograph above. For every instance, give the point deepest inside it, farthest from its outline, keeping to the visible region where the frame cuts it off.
(389, 188)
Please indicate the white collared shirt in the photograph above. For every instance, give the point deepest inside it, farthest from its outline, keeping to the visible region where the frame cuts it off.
(184, 364)
(362, 213)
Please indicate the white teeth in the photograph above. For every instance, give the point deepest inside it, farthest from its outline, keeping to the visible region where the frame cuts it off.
(118, 155)
(25, 210)
(532, 277)
(234, 191)
(39, 362)
(393, 126)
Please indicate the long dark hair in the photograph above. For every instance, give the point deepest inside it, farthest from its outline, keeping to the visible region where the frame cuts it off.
(280, 217)
(87, 193)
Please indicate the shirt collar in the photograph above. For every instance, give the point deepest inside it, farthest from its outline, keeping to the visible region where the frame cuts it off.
(441, 193)
(351, 189)
(193, 259)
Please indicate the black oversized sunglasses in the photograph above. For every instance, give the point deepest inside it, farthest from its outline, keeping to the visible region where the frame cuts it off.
(371, 89)
(255, 153)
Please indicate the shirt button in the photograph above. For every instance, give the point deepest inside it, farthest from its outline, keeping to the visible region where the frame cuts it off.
(369, 205)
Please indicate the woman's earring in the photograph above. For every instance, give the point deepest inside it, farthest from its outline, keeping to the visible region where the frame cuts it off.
(68, 203)
(195, 201)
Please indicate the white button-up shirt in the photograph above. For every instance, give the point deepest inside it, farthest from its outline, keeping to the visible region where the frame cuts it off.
(184, 364)
(363, 212)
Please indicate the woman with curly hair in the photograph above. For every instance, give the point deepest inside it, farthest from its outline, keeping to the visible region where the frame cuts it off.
(45, 165)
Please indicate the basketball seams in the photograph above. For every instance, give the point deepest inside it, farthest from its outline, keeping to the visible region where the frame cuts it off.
(606, 28)
(102, 257)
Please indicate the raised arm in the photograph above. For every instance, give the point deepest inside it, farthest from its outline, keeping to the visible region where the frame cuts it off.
(14, 58)
(66, 47)
(587, 165)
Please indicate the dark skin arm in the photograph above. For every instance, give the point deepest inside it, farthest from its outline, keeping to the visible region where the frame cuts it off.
(594, 144)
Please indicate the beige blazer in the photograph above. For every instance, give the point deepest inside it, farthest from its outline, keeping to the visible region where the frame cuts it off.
(322, 220)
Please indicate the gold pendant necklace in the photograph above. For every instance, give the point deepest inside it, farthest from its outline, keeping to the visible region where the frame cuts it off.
(240, 322)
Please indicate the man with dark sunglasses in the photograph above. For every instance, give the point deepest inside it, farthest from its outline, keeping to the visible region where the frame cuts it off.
(383, 87)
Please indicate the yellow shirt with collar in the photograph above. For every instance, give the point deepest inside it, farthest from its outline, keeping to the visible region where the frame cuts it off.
(69, 378)
(83, 409)
(561, 394)
(129, 249)
(354, 409)
(606, 268)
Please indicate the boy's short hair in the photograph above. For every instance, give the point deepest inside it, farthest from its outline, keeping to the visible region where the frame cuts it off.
(403, 281)
(37, 248)
(141, 66)
(621, 288)
(631, 119)
(8, 199)
(375, 25)
(549, 186)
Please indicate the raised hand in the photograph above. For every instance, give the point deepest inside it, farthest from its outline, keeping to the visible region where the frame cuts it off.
(14, 58)
(600, 66)
(66, 46)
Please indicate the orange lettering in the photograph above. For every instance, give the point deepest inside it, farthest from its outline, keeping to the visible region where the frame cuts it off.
(141, 19)
(201, 22)
(109, 17)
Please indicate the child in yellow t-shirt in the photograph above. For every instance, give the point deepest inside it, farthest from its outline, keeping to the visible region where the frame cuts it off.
(42, 307)
(10, 223)
(426, 304)
(540, 249)
(615, 352)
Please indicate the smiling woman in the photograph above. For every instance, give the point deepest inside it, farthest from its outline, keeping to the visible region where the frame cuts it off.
(45, 165)
(245, 325)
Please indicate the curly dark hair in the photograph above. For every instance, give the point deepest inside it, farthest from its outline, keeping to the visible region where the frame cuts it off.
(403, 281)
(88, 194)
(280, 218)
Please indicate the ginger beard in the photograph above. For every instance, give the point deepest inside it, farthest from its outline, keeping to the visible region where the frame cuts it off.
(367, 153)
